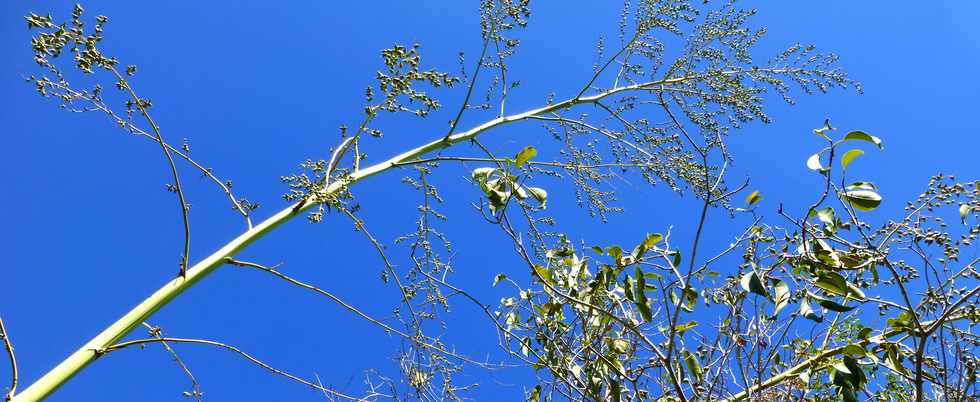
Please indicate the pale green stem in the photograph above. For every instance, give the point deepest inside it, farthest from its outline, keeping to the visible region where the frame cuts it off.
(64, 371)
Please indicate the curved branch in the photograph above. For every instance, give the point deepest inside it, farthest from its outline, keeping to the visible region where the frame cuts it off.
(13, 361)
(123, 83)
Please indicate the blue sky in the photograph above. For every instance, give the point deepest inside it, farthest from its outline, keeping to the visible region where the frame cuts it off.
(259, 87)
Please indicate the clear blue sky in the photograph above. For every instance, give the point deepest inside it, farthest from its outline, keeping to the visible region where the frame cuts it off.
(258, 87)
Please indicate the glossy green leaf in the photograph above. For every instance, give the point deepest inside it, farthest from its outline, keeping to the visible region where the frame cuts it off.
(684, 327)
(823, 131)
(813, 162)
(544, 274)
(525, 155)
(826, 215)
(858, 378)
(620, 346)
(614, 251)
(893, 358)
(535, 394)
(862, 196)
(751, 282)
(645, 311)
(830, 304)
(652, 240)
(854, 350)
(481, 174)
(497, 279)
(693, 365)
(629, 285)
(807, 312)
(781, 297)
(862, 136)
(753, 198)
(653, 276)
(849, 157)
(836, 284)
(539, 194)
(648, 242)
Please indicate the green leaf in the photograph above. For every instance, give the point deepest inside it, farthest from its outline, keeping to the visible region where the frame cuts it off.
(964, 211)
(751, 282)
(653, 276)
(858, 379)
(807, 312)
(614, 251)
(847, 395)
(854, 349)
(782, 296)
(539, 194)
(849, 157)
(862, 196)
(535, 394)
(629, 284)
(481, 174)
(497, 279)
(893, 359)
(652, 240)
(645, 311)
(648, 242)
(813, 162)
(620, 346)
(525, 155)
(830, 304)
(822, 131)
(805, 377)
(544, 274)
(684, 327)
(862, 136)
(826, 215)
(836, 284)
(641, 284)
(693, 366)
(753, 198)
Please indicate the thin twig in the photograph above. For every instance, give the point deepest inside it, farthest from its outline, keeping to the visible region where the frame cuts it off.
(469, 90)
(157, 332)
(122, 345)
(351, 308)
(170, 161)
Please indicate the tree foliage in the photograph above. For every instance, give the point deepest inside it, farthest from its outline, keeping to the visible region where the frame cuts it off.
(784, 312)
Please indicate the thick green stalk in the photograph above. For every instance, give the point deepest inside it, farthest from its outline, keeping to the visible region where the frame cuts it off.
(64, 371)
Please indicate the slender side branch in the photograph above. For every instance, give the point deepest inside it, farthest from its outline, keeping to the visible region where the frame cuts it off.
(122, 345)
(349, 307)
(157, 332)
(170, 161)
